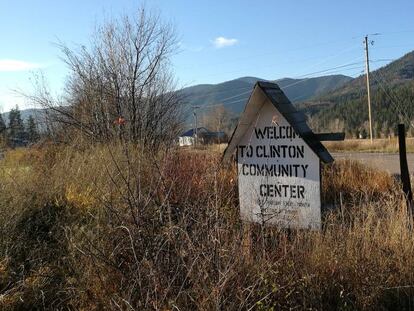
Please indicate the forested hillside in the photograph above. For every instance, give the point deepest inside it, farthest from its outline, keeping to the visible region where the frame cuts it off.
(234, 93)
(346, 109)
(332, 103)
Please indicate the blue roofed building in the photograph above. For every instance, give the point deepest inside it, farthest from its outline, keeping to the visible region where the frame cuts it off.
(204, 136)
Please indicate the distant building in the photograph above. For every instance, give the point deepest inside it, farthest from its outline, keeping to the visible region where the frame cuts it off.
(18, 142)
(205, 136)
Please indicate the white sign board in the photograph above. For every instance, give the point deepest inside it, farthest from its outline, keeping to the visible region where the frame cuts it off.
(279, 174)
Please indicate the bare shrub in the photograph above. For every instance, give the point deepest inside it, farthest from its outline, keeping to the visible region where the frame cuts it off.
(134, 232)
(356, 182)
(121, 87)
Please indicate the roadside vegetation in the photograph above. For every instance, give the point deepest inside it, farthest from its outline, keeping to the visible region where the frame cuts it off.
(108, 227)
(385, 145)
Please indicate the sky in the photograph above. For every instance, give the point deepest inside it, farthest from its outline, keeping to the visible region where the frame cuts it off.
(218, 40)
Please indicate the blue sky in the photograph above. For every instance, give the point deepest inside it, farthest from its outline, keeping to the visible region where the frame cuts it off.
(219, 40)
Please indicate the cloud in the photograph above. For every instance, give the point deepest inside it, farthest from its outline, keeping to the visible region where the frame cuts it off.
(8, 65)
(221, 42)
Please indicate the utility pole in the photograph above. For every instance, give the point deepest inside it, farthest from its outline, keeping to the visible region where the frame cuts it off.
(195, 125)
(368, 87)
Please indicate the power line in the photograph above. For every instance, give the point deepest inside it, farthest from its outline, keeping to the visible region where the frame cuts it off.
(397, 32)
(399, 101)
(381, 80)
(382, 60)
(233, 60)
(391, 90)
(324, 60)
(219, 92)
(337, 67)
(298, 77)
(231, 97)
(393, 100)
(328, 70)
(394, 46)
(223, 103)
(331, 70)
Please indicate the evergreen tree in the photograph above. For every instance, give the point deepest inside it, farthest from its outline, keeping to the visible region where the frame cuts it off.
(410, 130)
(378, 130)
(387, 131)
(2, 125)
(392, 106)
(31, 130)
(2, 131)
(16, 127)
(364, 133)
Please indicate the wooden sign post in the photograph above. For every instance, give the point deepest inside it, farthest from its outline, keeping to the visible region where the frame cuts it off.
(405, 174)
(279, 162)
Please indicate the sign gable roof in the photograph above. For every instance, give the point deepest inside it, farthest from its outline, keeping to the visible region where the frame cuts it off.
(267, 91)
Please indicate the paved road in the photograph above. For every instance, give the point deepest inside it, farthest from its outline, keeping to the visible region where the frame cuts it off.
(389, 162)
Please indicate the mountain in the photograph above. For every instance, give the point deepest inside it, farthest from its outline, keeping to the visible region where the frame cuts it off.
(345, 108)
(396, 73)
(333, 103)
(234, 93)
(298, 90)
(25, 113)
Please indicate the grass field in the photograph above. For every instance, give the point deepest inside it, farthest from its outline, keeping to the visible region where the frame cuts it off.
(364, 145)
(387, 145)
(109, 228)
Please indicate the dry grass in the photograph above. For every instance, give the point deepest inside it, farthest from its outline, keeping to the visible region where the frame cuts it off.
(364, 145)
(386, 145)
(109, 227)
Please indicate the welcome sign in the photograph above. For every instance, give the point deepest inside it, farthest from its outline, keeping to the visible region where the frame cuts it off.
(278, 162)
(279, 175)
